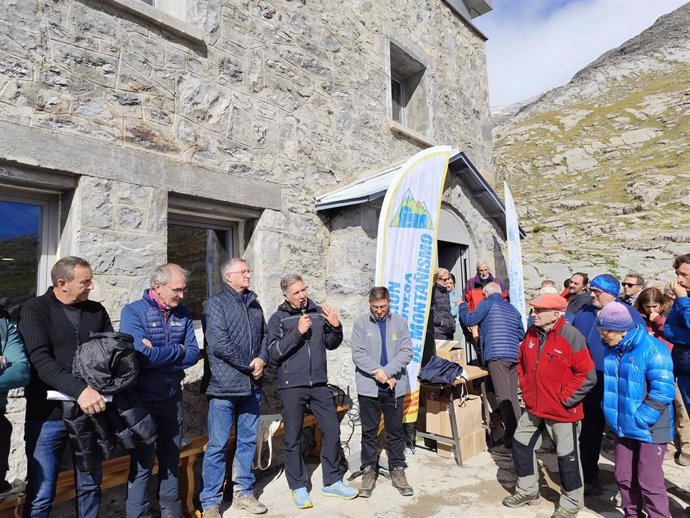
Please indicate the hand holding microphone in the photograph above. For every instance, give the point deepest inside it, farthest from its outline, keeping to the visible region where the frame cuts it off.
(304, 323)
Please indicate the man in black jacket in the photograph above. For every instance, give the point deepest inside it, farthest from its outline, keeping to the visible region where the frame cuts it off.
(236, 354)
(298, 335)
(53, 325)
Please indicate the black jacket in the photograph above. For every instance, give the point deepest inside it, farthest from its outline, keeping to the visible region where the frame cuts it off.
(108, 363)
(51, 342)
(235, 332)
(301, 358)
(444, 321)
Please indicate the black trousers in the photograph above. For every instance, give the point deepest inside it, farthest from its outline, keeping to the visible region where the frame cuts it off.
(592, 431)
(5, 437)
(504, 378)
(320, 401)
(370, 409)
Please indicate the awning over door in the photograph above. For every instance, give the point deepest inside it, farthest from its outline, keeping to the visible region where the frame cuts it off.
(375, 187)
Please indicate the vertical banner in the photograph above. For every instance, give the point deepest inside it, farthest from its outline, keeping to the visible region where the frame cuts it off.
(515, 278)
(406, 249)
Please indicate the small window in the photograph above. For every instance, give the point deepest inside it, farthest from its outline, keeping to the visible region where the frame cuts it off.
(409, 104)
(176, 8)
(28, 241)
(201, 249)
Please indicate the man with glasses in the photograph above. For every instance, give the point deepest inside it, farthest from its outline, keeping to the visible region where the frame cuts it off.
(577, 291)
(633, 284)
(164, 339)
(236, 354)
(603, 290)
(299, 333)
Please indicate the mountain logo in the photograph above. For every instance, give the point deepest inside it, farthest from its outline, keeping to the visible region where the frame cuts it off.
(411, 214)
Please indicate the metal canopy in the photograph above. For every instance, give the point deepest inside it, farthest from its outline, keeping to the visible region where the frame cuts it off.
(375, 187)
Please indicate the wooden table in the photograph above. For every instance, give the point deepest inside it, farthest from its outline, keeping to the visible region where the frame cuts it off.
(473, 373)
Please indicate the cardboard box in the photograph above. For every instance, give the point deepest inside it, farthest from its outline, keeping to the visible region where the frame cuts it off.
(446, 349)
(468, 416)
(470, 446)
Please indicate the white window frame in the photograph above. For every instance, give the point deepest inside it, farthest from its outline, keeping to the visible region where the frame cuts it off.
(50, 225)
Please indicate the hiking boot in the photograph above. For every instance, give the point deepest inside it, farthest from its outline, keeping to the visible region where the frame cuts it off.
(683, 459)
(501, 451)
(399, 481)
(301, 498)
(593, 490)
(340, 489)
(368, 482)
(518, 500)
(564, 513)
(211, 512)
(248, 503)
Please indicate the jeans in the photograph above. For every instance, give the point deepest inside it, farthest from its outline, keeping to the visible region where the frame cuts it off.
(370, 409)
(168, 417)
(45, 445)
(222, 413)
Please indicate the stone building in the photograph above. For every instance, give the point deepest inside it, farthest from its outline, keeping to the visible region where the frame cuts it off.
(134, 132)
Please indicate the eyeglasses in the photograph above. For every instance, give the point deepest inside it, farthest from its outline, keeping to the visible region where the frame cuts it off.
(596, 291)
(630, 284)
(176, 291)
(243, 272)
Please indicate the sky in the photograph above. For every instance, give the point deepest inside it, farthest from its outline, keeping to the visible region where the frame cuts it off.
(536, 45)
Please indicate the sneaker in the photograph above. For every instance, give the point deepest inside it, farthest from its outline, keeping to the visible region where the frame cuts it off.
(592, 490)
(340, 490)
(368, 482)
(399, 481)
(683, 459)
(501, 451)
(248, 503)
(211, 512)
(518, 500)
(564, 513)
(301, 498)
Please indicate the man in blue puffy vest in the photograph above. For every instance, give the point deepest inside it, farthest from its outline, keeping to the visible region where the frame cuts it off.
(500, 334)
(164, 338)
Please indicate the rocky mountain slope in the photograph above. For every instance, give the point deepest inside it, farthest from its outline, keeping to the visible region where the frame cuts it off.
(600, 167)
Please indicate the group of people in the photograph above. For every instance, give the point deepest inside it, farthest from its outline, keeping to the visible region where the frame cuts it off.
(39, 353)
(591, 356)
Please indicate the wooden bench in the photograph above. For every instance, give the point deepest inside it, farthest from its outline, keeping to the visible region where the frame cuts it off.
(115, 471)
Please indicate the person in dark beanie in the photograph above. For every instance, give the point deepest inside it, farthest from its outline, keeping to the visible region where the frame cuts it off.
(638, 391)
(604, 290)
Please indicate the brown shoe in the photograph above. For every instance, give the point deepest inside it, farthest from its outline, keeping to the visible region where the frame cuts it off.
(248, 503)
(399, 481)
(368, 482)
(211, 512)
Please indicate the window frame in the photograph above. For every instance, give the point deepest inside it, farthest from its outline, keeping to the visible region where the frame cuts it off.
(50, 218)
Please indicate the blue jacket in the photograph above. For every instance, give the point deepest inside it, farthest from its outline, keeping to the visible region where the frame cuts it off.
(161, 367)
(677, 331)
(639, 388)
(500, 327)
(236, 334)
(586, 322)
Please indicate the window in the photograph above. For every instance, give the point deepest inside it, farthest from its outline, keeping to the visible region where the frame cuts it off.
(409, 104)
(200, 247)
(176, 8)
(28, 241)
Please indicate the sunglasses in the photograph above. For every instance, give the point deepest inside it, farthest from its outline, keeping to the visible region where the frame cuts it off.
(630, 284)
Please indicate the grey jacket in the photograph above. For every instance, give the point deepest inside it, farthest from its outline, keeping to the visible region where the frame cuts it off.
(366, 353)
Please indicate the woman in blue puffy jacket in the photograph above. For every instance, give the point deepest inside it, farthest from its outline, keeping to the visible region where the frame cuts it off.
(638, 391)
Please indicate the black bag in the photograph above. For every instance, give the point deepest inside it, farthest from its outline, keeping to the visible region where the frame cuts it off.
(438, 370)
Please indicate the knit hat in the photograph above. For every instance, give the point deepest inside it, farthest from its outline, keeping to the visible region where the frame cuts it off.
(616, 317)
(549, 301)
(607, 283)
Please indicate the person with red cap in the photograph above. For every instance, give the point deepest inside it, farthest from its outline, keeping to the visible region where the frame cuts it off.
(555, 372)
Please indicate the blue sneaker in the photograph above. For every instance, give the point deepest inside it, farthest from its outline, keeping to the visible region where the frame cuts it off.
(301, 498)
(340, 490)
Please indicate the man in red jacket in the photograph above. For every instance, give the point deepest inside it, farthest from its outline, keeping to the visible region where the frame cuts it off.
(555, 372)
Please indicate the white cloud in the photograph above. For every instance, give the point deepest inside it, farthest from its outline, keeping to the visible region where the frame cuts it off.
(529, 53)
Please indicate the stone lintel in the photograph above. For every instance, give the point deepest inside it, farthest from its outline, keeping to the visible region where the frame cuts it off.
(161, 19)
(47, 150)
(418, 138)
